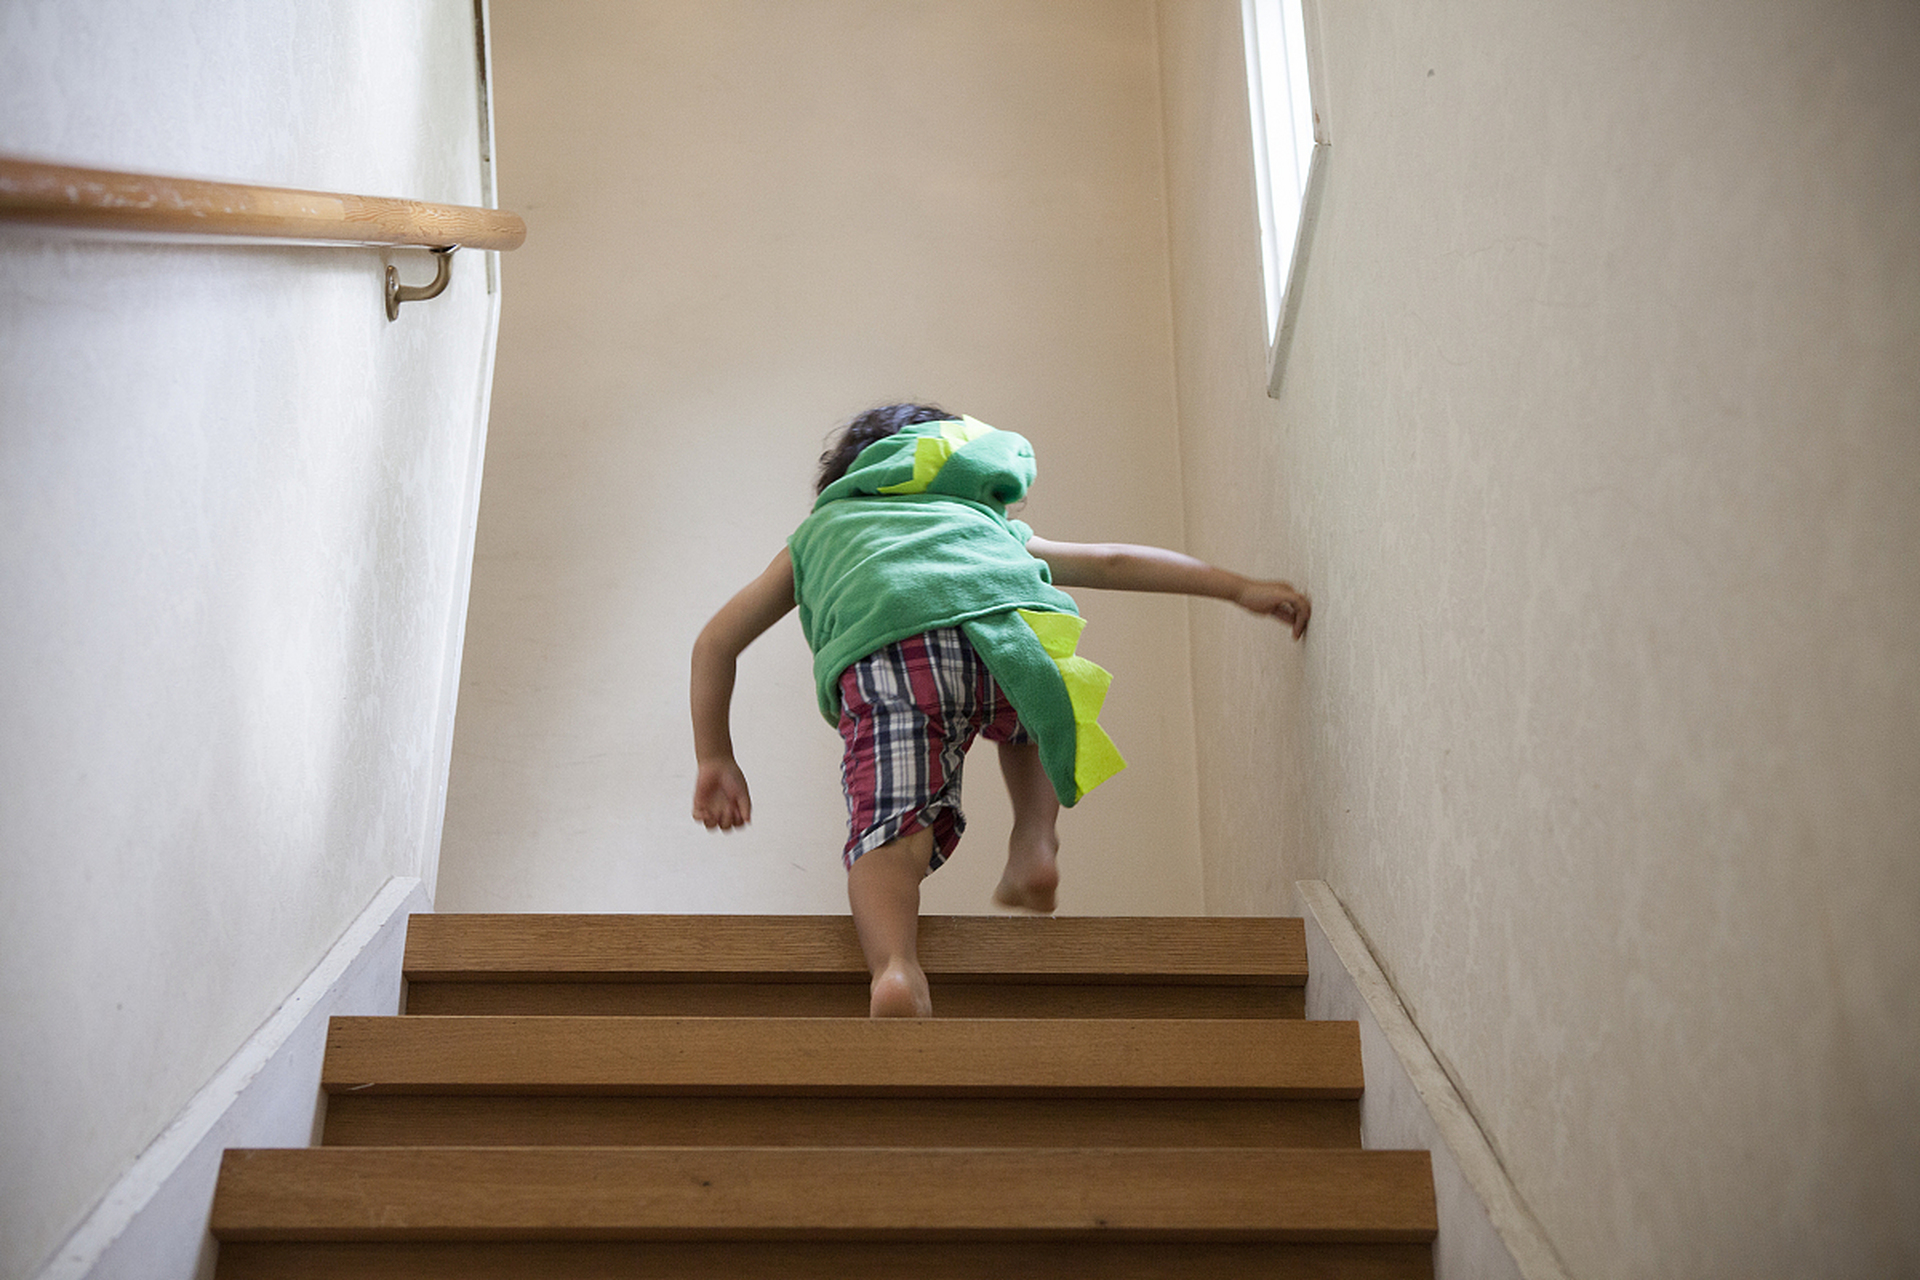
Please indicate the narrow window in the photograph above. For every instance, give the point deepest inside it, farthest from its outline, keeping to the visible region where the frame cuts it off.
(1289, 160)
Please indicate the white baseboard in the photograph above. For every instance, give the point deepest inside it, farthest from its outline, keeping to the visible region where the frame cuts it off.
(1486, 1230)
(152, 1225)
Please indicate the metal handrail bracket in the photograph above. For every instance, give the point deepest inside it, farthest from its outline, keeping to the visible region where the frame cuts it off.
(398, 293)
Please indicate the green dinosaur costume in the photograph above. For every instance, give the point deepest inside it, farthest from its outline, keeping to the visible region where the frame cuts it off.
(915, 537)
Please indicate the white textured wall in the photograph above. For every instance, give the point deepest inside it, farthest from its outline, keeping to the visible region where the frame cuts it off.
(750, 220)
(1599, 450)
(231, 509)
(1249, 706)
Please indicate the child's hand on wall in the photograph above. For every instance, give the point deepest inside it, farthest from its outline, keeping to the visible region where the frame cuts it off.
(1277, 600)
(720, 796)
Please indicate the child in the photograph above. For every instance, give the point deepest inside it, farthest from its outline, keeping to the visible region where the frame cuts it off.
(933, 618)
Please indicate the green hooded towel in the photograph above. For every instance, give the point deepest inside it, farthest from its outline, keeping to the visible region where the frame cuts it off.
(915, 537)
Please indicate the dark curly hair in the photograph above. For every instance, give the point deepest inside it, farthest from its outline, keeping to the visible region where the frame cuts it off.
(874, 424)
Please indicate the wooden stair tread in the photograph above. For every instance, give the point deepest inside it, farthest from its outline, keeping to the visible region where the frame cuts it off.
(683, 1193)
(1234, 950)
(832, 1056)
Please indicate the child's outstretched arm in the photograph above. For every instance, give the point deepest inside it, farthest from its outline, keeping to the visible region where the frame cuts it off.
(1119, 566)
(720, 796)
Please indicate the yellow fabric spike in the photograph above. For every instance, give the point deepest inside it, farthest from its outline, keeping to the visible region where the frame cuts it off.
(1058, 632)
(1095, 758)
(1087, 684)
(965, 431)
(930, 453)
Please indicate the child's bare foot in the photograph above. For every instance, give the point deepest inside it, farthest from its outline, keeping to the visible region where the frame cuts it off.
(1033, 873)
(900, 991)
(1028, 896)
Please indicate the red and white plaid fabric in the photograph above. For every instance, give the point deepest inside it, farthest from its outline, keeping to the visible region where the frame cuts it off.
(908, 714)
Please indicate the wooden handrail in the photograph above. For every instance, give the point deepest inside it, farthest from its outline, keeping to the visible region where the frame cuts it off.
(101, 199)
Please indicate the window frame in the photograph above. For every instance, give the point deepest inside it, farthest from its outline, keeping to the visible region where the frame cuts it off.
(1285, 310)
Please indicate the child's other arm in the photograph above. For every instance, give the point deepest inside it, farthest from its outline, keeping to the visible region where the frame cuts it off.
(720, 797)
(1119, 566)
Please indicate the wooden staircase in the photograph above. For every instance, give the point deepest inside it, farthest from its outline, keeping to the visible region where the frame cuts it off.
(702, 1096)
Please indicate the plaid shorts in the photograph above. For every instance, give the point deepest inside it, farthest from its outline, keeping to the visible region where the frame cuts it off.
(908, 714)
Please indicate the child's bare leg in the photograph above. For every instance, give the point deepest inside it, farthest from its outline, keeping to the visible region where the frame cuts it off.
(1033, 872)
(884, 888)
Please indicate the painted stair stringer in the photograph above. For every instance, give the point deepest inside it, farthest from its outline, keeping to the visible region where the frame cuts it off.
(1488, 1232)
(152, 1223)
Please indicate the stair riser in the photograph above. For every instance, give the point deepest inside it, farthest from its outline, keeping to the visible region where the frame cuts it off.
(1214, 951)
(822, 1261)
(419, 1120)
(856, 1193)
(938, 1058)
(846, 1000)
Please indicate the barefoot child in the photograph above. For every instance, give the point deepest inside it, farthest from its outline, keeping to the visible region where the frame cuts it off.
(935, 619)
